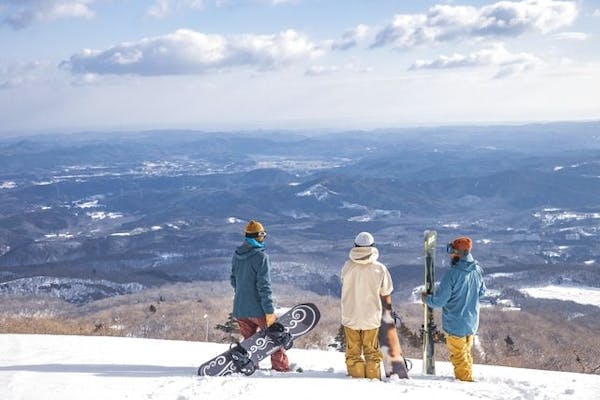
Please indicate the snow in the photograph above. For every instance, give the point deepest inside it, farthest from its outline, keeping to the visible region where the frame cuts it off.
(80, 367)
(100, 215)
(577, 294)
(87, 204)
(8, 185)
(320, 192)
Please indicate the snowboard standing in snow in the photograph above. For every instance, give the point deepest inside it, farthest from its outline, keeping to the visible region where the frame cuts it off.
(429, 328)
(244, 357)
(393, 361)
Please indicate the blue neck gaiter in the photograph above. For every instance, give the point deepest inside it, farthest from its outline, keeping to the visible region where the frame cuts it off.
(255, 243)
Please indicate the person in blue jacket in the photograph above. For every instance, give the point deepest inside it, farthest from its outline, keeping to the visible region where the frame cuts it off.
(458, 295)
(251, 282)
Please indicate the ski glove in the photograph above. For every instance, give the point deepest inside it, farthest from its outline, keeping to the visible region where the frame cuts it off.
(270, 318)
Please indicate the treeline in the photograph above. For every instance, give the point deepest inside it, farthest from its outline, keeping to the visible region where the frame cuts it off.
(200, 311)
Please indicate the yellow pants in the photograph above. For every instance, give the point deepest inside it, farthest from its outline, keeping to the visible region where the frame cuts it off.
(361, 344)
(460, 356)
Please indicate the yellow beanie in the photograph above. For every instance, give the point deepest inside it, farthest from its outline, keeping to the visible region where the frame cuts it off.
(254, 227)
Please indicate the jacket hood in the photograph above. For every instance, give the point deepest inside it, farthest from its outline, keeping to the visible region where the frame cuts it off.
(364, 255)
(466, 264)
(246, 251)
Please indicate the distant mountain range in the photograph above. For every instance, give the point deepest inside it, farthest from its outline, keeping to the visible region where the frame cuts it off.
(165, 206)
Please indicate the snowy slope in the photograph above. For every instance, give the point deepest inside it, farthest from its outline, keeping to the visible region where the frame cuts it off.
(109, 368)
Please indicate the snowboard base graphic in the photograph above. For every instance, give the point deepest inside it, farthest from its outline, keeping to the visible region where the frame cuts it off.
(245, 356)
(389, 343)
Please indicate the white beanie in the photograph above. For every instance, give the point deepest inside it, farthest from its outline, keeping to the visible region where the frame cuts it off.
(364, 239)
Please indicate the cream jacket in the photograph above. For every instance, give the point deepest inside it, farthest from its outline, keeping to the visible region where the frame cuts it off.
(364, 280)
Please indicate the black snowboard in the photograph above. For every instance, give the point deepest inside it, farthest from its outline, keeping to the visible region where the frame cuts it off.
(245, 356)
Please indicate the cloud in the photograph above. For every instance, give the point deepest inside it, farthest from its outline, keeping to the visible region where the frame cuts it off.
(22, 13)
(444, 23)
(494, 56)
(571, 36)
(163, 8)
(189, 52)
(596, 13)
(322, 70)
(351, 38)
(229, 3)
(25, 75)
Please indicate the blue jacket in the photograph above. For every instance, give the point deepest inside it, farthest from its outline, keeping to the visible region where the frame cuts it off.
(251, 281)
(458, 294)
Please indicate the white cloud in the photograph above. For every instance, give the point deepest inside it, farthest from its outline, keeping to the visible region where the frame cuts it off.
(571, 35)
(321, 70)
(21, 13)
(351, 38)
(24, 75)
(163, 8)
(495, 56)
(502, 19)
(596, 13)
(225, 3)
(189, 52)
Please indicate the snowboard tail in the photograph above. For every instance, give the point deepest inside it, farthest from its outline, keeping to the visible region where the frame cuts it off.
(296, 322)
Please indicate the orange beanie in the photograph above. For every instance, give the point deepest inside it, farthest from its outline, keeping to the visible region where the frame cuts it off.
(254, 227)
(463, 243)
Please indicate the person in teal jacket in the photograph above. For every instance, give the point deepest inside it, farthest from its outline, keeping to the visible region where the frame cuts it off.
(458, 295)
(253, 296)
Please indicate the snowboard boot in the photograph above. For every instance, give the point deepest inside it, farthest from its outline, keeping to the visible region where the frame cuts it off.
(241, 360)
(281, 336)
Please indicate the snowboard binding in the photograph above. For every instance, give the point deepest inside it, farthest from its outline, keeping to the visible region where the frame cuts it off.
(241, 359)
(397, 319)
(280, 335)
(437, 335)
(407, 363)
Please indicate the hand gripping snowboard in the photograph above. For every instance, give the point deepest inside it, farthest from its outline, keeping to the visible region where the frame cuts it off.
(393, 361)
(245, 356)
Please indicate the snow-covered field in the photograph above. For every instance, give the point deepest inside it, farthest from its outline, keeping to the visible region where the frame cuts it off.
(577, 294)
(109, 368)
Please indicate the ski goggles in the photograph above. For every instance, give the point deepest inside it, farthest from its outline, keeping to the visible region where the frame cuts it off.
(260, 234)
(451, 250)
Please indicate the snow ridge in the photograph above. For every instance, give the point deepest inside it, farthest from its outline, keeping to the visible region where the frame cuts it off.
(78, 367)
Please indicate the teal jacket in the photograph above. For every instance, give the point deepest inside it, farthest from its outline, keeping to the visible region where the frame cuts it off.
(458, 295)
(251, 282)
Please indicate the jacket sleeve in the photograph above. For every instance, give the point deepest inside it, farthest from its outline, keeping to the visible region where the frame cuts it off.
(263, 285)
(387, 287)
(232, 276)
(343, 272)
(442, 292)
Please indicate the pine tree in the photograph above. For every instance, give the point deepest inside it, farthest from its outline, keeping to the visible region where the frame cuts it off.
(339, 342)
(414, 339)
(231, 328)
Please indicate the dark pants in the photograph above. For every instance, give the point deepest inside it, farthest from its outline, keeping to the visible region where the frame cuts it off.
(249, 326)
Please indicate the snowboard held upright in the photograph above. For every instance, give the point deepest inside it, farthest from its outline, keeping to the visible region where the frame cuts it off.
(389, 342)
(244, 357)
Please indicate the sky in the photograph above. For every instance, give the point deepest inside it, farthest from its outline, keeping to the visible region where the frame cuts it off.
(71, 65)
(78, 367)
